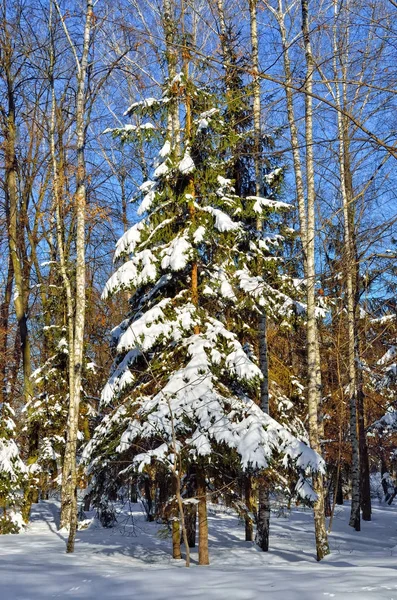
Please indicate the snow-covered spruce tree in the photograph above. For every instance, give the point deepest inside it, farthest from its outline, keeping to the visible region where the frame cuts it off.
(47, 413)
(381, 379)
(184, 384)
(12, 473)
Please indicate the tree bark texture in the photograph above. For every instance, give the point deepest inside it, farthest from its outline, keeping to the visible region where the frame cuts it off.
(202, 518)
(365, 489)
(349, 267)
(176, 539)
(16, 225)
(322, 547)
(307, 231)
(69, 498)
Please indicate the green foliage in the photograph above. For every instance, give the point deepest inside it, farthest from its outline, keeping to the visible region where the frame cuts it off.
(8, 525)
(12, 472)
(195, 222)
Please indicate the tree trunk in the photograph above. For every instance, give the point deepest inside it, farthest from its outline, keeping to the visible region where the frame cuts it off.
(263, 522)
(248, 500)
(322, 546)
(336, 490)
(349, 267)
(133, 492)
(70, 469)
(364, 459)
(263, 519)
(178, 494)
(191, 509)
(383, 471)
(307, 231)
(339, 489)
(16, 360)
(4, 319)
(66, 489)
(176, 539)
(176, 528)
(327, 501)
(16, 228)
(191, 520)
(202, 518)
(365, 489)
(17, 223)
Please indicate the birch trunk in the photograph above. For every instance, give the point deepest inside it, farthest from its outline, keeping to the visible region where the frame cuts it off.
(79, 314)
(322, 546)
(300, 190)
(307, 232)
(69, 496)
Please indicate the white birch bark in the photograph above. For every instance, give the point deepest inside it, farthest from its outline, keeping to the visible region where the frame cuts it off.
(70, 467)
(307, 232)
(322, 546)
(79, 315)
(299, 184)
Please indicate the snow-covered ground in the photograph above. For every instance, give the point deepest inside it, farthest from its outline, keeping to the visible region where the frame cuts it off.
(110, 564)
